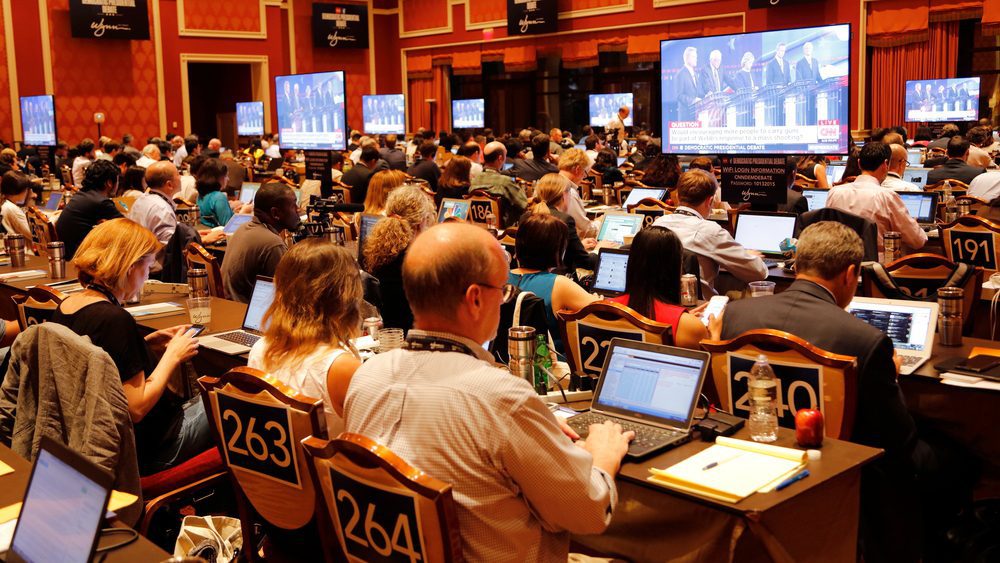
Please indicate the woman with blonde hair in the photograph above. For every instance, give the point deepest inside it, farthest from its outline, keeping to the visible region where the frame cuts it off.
(409, 211)
(551, 197)
(315, 314)
(381, 184)
(113, 263)
(574, 165)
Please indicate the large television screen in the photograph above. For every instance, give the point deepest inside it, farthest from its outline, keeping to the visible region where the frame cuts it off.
(772, 92)
(468, 114)
(250, 119)
(603, 107)
(311, 111)
(950, 99)
(38, 120)
(384, 114)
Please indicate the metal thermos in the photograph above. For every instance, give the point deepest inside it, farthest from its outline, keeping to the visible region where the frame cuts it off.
(689, 290)
(521, 348)
(892, 248)
(57, 259)
(950, 315)
(198, 283)
(15, 249)
(334, 234)
(964, 207)
(606, 194)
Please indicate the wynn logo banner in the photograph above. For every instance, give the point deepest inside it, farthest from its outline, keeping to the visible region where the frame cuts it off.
(109, 19)
(528, 17)
(340, 26)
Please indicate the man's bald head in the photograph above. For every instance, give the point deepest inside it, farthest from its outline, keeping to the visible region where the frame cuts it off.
(444, 261)
(494, 153)
(162, 175)
(898, 160)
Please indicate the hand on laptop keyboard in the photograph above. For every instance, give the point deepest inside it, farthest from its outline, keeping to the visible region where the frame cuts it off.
(608, 444)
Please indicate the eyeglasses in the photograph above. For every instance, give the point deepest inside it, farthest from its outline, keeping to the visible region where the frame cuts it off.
(506, 290)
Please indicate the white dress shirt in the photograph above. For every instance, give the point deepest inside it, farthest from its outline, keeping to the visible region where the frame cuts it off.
(897, 184)
(273, 151)
(157, 212)
(866, 198)
(189, 188)
(986, 186)
(80, 170)
(476, 170)
(15, 221)
(179, 155)
(714, 246)
(144, 161)
(520, 484)
(616, 123)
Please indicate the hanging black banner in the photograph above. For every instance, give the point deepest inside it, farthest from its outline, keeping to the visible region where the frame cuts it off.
(753, 179)
(109, 19)
(340, 26)
(529, 17)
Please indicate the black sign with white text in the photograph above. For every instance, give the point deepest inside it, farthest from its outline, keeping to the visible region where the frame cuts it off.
(528, 17)
(754, 179)
(109, 19)
(340, 26)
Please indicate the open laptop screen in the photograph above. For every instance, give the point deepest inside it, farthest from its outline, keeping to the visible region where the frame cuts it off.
(764, 232)
(916, 176)
(835, 172)
(661, 384)
(816, 198)
(53, 203)
(617, 226)
(906, 325)
(235, 222)
(260, 300)
(248, 191)
(913, 157)
(611, 267)
(639, 194)
(454, 208)
(920, 206)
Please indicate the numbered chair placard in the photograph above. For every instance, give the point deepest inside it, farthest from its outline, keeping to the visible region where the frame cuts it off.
(974, 247)
(257, 437)
(479, 210)
(799, 387)
(594, 343)
(377, 524)
(338, 195)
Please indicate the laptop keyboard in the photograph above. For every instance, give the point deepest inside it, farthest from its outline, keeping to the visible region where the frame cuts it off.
(909, 361)
(240, 337)
(647, 438)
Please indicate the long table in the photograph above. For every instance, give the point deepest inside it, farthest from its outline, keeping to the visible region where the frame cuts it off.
(13, 485)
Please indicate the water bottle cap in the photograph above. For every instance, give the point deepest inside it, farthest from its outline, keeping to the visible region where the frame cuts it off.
(761, 358)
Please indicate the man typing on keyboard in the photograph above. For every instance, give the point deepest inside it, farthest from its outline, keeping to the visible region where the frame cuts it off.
(522, 486)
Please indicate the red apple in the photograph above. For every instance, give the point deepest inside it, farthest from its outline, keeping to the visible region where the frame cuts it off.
(809, 428)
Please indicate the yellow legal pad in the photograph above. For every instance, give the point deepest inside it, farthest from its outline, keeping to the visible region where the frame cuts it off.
(742, 469)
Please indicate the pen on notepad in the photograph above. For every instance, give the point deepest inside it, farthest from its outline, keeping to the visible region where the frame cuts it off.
(720, 462)
(794, 478)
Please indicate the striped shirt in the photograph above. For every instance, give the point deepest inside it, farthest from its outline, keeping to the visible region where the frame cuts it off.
(520, 484)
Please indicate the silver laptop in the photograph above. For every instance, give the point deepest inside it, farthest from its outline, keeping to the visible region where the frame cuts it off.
(835, 172)
(816, 198)
(916, 176)
(763, 231)
(617, 226)
(910, 325)
(238, 342)
(647, 388)
(639, 194)
(235, 222)
(248, 191)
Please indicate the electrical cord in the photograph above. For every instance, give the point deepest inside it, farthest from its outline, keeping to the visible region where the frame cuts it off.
(132, 536)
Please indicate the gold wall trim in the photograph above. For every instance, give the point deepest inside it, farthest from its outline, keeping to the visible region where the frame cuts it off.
(259, 77)
(403, 34)
(185, 31)
(15, 96)
(43, 17)
(161, 96)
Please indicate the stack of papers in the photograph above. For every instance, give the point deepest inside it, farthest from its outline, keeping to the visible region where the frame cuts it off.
(155, 311)
(731, 470)
(23, 275)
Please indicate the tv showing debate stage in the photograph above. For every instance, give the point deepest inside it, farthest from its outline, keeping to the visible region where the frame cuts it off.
(311, 111)
(38, 120)
(384, 114)
(249, 119)
(468, 114)
(949, 99)
(604, 107)
(772, 92)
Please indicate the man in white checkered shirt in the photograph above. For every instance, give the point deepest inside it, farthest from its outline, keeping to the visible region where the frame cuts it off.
(522, 486)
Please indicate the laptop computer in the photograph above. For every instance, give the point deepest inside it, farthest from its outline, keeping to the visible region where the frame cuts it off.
(365, 225)
(916, 176)
(816, 198)
(234, 223)
(835, 172)
(52, 204)
(763, 231)
(249, 191)
(910, 325)
(454, 209)
(275, 163)
(639, 194)
(647, 388)
(236, 342)
(63, 508)
(609, 275)
(621, 160)
(922, 206)
(914, 157)
(617, 226)
(508, 165)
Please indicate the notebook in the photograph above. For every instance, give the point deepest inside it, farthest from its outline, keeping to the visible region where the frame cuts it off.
(639, 194)
(238, 342)
(816, 198)
(609, 276)
(763, 231)
(63, 507)
(910, 325)
(617, 226)
(731, 469)
(454, 209)
(650, 389)
(248, 191)
(921, 206)
(916, 176)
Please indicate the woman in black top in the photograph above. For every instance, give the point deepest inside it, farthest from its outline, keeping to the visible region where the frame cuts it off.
(550, 198)
(606, 164)
(113, 264)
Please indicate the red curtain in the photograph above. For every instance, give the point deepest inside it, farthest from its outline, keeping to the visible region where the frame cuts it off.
(893, 66)
(436, 88)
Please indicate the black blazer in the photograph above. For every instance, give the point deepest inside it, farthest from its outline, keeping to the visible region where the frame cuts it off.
(357, 178)
(882, 420)
(773, 74)
(394, 158)
(806, 71)
(530, 169)
(954, 169)
(576, 255)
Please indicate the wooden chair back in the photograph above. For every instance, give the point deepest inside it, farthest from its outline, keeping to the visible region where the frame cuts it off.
(198, 257)
(805, 183)
(936, 152)
(258, 424)
(808, 377)
(976, 206)
(43, 231)
(958, 187)
(341, 194)
(587, 333)
(482, 205)
(651, 210)
(381, 508)
(38, 306)
(973, 240)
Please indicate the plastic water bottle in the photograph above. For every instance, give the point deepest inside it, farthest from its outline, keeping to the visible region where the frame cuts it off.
(543, 365)
(763, 400)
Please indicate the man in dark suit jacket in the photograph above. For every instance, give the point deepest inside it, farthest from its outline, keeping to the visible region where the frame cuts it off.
(777, 70)
(807, 68)
(688, 89)
(955, 167)
(713, 80)
(532, 169)
(392, 155)
(360, 174)
(426, 168)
